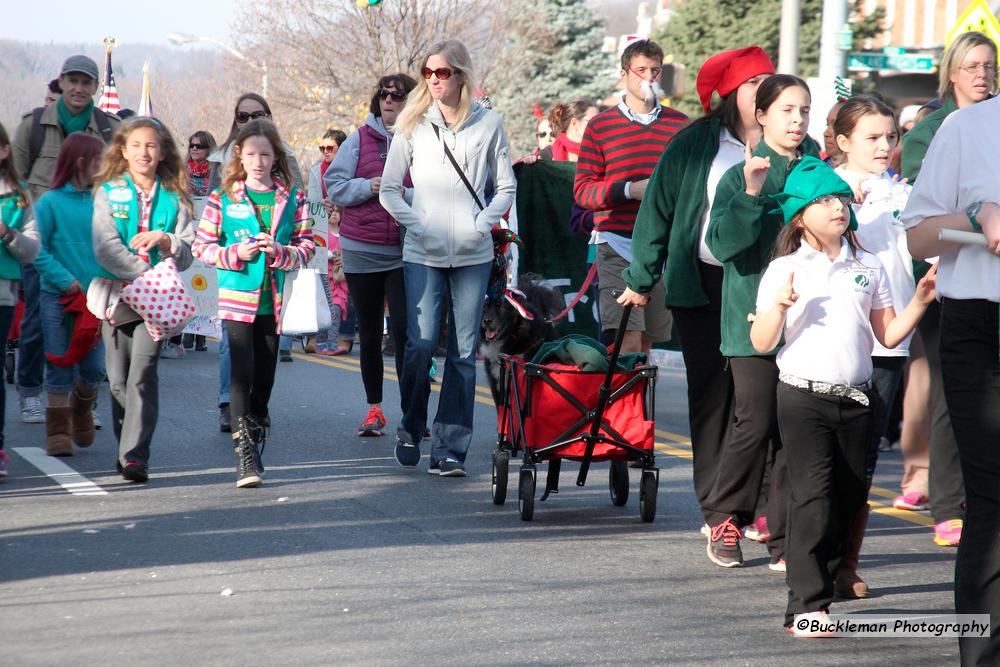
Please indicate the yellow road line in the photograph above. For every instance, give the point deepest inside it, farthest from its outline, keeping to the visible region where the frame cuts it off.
(672, 444)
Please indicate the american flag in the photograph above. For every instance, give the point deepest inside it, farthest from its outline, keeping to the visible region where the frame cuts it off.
(109, 96)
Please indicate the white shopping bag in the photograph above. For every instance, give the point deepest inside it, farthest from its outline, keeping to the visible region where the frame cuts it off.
(304, 309)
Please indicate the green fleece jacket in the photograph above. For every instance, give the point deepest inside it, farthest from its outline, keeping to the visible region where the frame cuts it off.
(918, 139)
(666, 235)
(741, 235)
(64, 222)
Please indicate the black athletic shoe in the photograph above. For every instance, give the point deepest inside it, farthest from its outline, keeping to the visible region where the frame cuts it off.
(407, 453)
(134, 471)
(225, 421)
(285, 355)
(247, 457)
(724, 544)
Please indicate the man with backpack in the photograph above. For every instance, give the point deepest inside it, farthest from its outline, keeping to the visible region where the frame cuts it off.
(36, 145)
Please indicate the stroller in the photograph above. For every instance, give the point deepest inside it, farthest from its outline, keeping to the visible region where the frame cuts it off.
(559, 411)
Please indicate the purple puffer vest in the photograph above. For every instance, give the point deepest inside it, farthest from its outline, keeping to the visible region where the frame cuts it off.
(369, 222)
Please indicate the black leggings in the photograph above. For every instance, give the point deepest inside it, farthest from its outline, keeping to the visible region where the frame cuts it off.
(370, 291)
(253, 355)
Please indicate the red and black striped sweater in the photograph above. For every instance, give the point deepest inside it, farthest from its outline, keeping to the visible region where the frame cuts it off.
(616, 150)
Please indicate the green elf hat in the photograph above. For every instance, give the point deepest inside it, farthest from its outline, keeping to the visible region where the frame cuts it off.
(811, 179)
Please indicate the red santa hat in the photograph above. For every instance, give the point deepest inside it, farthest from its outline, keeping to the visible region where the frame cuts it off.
(728, 70)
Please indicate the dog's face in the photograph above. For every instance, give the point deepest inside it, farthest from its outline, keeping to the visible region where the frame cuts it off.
(504, 327)
(502, 322)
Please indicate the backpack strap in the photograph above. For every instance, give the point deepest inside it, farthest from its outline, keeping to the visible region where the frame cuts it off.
(36, 138)
(104, 125)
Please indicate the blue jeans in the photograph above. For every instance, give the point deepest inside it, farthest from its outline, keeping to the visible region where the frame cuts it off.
(285, 343)
(224, 367)
(6, 317)
(426, 288)
(60, 380)
(30, 352)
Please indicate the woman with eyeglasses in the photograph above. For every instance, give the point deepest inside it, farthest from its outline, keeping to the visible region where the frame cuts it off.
(249, 106)
(451, 146)
(371, 247)
(968, 75)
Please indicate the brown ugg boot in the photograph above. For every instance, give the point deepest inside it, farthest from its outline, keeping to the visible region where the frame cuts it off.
(847, 585)
(57, 427)
(81, 402)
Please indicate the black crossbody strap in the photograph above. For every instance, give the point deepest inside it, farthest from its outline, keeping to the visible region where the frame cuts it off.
(454, 163)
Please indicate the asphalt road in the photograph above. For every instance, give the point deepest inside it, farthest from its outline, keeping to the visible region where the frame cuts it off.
(345, 558)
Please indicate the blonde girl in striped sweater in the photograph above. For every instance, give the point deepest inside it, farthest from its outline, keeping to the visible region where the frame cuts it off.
(254, 229)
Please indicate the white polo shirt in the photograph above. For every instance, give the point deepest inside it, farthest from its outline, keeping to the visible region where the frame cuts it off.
(828, 335)
(880, 232)
(731, 152)
(962, 166)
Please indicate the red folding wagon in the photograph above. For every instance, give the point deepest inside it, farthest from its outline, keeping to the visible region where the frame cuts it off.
(554, 411)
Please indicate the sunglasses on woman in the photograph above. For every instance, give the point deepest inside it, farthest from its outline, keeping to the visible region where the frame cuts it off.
(246, 117)
(328, 149)
(385, 94)
(443, 73)
(197, 147)
(542, 135)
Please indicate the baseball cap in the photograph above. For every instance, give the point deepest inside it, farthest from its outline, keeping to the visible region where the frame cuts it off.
(80, 64)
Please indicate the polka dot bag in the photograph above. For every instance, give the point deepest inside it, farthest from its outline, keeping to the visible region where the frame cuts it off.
(159, 297)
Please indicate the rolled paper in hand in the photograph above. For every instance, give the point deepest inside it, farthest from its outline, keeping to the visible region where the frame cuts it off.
(968, 238)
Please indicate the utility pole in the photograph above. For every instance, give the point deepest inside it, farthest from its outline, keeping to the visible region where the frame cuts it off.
(788, 46)
(832, 40)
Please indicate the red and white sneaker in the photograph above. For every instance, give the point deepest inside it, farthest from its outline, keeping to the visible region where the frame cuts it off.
(758, 530)
(812, 625)
(374, 424)
(914, 501)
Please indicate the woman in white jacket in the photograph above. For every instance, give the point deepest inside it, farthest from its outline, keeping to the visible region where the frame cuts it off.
(447, 247)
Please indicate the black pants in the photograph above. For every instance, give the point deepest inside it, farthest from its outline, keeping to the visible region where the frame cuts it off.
(370, 291)
(253, 355)
(709, 381)
(753, 433)
(887, 376)
(969, 361)
(825, 440)
(944, 473)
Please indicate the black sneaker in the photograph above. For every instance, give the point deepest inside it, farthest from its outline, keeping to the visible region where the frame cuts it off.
(452, 468)
(407, 453)
(285, 355)
(435, 467)
(134, 471)
(724, 544)
(225, 420)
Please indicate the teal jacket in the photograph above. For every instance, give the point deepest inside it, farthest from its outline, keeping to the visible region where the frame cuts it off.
(918, 140)
(741, 235)
(65, 219)
(667, 228)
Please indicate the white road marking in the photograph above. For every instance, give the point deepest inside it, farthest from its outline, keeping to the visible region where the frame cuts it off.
(60, 473)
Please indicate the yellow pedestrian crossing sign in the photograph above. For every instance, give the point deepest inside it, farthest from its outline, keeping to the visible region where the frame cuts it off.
(977, 17)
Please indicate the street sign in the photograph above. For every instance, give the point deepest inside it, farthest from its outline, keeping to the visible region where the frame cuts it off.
(873, 61)
(979, 17)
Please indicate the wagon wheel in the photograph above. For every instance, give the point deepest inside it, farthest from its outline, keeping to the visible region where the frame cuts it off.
(526, 493)
(501, 459)
(648, 486)
(618, 482)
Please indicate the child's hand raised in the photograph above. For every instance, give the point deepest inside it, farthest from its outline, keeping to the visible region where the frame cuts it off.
(927, 287)
(754, 170)
(787, 295)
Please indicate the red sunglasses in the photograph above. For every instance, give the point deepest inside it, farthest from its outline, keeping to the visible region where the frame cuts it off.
(443, 73)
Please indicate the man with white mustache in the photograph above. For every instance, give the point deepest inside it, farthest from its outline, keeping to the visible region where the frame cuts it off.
(619, 150)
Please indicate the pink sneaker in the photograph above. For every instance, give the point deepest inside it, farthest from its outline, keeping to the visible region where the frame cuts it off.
(913, 501)
(948, 533)
(758, 530)
(4, 460)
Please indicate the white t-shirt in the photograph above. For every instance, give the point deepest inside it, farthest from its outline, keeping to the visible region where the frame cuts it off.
(828, 335)
(731, 151)
(962, 166)
(880, 232)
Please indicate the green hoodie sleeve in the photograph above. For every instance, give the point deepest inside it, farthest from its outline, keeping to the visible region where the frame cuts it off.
(915, 144)
(653, 223)
(46, 264)
(734, 225)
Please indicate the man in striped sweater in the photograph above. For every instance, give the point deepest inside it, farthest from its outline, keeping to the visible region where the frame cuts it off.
(619, 150)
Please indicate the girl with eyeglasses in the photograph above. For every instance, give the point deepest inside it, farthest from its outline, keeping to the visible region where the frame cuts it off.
(447, 247)
(142, 214)
(371, 245)
(829, 300)
(249, 107)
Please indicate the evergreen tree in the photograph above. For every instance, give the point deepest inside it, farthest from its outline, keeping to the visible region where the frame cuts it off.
(552, 54)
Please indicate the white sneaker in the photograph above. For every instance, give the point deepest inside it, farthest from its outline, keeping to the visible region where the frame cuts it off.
(97, 422)
(32, 411)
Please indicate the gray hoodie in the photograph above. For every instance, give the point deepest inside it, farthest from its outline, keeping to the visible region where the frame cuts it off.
(444, 226)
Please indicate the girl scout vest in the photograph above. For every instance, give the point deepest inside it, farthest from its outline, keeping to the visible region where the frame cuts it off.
(12, 208)
(124, 204)
(240, 222)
